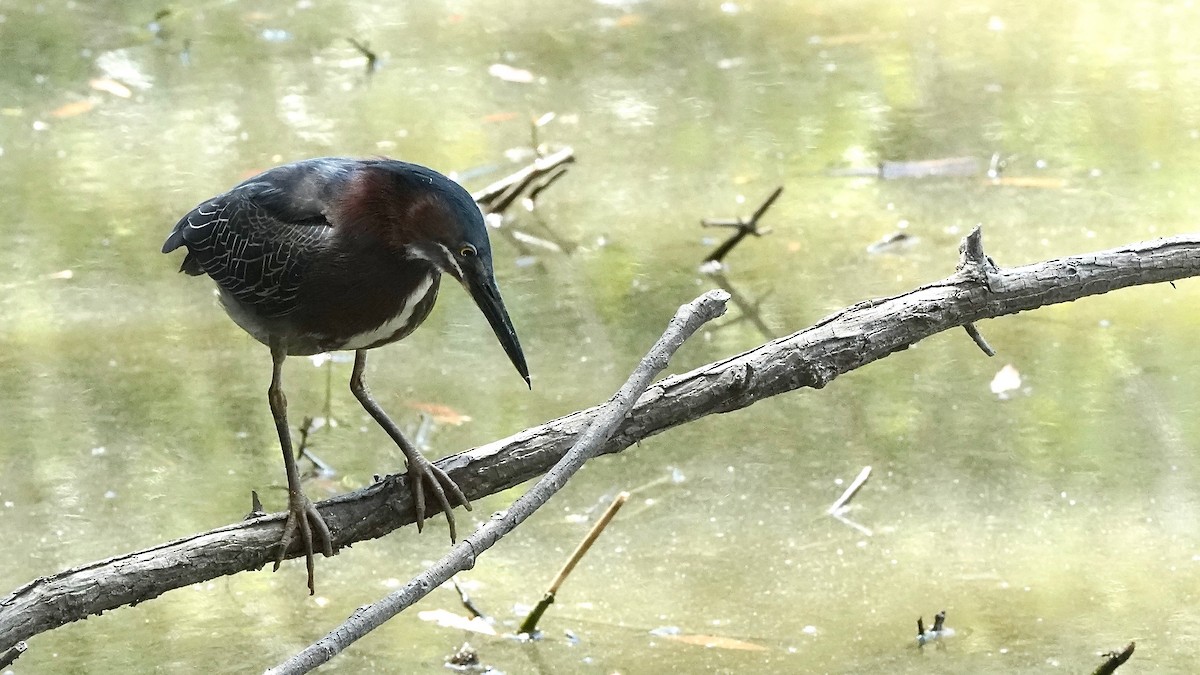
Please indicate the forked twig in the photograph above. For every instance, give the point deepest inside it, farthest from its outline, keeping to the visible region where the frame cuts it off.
(745, 227)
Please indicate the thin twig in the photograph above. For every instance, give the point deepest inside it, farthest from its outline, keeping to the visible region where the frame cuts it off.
(372, 57)
(529, 625)
(462, 556)
(978, 339)
(1115, 660)
(750, 310)
(855, 486)
(467, 602)
(841, 517)
(13, 654)
(541, 185)
(307, 427)
(745, 227)
(498, 196)
(534, 136)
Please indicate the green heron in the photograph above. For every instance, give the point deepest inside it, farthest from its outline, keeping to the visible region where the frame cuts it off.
(336, 253)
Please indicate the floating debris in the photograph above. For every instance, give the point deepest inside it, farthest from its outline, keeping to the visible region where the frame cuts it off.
(935, 634)
(1006, 381)
(892, 242)
(447, 619)
(110, 86)
(73, 108)
(707, 641)
(510, 74)
(442, 414)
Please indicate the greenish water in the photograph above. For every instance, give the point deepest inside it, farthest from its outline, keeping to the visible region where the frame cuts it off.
(1053, 525)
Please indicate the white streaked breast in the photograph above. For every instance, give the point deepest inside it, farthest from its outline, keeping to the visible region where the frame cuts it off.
(389, 327)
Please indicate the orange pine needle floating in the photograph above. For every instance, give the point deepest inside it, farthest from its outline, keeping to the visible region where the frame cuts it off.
(1030, 182)
(717, 642)
(850, 39)
(73, 108)
(110, 86)
(442, 414)
(500, 117)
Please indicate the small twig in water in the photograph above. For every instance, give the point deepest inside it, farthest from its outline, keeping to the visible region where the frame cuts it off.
(855, 485)
(529, 625)
(842, 505)
(497, 197)
(1115, 660)
(936, 633)
(534, 134)
(372, 57)
(745, 227)
(309, 425)
(466, 601)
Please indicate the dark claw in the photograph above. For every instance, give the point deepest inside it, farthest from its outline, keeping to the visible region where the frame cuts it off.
(304, 517)
(423, 471)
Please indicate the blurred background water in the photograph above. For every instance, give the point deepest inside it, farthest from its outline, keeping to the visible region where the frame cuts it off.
(1052, 523)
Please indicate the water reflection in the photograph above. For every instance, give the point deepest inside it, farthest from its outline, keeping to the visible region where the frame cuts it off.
(1050, 526)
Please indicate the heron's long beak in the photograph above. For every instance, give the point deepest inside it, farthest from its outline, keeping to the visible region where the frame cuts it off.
(481, 284)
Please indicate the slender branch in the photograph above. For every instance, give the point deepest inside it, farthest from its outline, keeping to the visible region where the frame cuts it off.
(582, 548)
(529, 625)
(462, 556)
(840, 343)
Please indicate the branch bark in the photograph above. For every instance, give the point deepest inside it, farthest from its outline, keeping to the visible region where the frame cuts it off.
(844, 341)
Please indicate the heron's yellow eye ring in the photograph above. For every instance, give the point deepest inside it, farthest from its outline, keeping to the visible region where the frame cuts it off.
(467, 251)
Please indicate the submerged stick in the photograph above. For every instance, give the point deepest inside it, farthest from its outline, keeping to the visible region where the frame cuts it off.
(13, 654)
(467, 602)
(529, 625)
(855, 486)
(745, 227)
(1115, 660)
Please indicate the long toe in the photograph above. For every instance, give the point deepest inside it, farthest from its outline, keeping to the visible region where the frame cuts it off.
(304, 520)
(423, 473)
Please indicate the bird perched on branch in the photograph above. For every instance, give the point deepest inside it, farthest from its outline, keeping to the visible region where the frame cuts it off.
(343, 254)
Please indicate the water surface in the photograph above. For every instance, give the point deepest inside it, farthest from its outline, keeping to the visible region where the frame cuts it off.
(1054, 524)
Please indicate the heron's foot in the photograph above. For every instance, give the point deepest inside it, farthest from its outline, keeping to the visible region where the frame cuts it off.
(422, 473)
(304, 519)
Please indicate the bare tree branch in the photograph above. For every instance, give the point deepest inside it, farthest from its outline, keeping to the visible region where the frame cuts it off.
(842, 342)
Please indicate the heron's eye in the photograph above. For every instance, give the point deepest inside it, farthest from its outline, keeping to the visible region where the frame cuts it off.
(467, 251)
